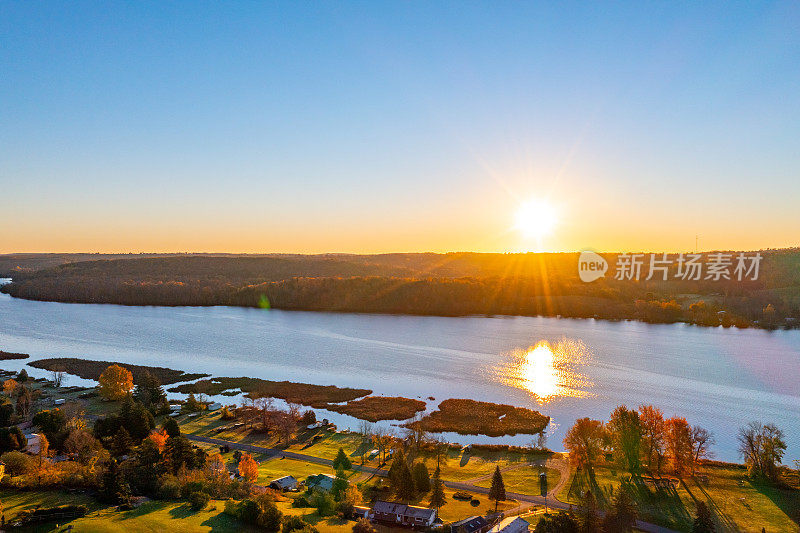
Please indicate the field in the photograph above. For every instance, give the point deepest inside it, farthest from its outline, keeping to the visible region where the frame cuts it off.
(88, 369)
(318, 396)
(468, 417)
(737, 503)
(375, 408)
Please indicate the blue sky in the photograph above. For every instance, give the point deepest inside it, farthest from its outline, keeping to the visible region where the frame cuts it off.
(378, 126)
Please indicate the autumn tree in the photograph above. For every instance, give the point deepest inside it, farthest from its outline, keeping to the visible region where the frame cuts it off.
(497, 491)
(10, 386)
(652, 423)
(584, 442)
(115, 382)
(248, 468)
(678, 444)
(590, 518)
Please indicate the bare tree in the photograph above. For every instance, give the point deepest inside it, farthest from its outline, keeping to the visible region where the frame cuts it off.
(287, 425)
(266, 410)
(58, 377)
(702, 440)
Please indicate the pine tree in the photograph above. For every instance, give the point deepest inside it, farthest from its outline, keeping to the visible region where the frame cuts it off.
(590, 520)
(437, 489)
(398, 460)
(121, 443)
(422, 479)
(405, 483)
(342, 462)
(704, 522)
(497, 492)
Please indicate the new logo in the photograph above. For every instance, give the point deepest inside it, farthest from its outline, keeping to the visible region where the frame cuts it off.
(591, 266)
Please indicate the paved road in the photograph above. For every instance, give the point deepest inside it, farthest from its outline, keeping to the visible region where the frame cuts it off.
(537, 500)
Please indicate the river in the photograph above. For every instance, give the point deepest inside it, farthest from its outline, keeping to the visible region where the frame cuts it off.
(567, 369)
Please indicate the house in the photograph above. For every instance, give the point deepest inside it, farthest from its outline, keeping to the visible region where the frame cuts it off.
(403, 515)
(59, 401)
(284, 483)
(473, 524)
(33, 445)
(323, 482)
(175, 407)
(512, 524)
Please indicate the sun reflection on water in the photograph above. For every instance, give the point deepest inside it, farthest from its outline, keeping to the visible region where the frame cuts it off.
(546, 371)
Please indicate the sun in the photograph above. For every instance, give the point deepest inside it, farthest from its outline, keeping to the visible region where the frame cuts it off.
(536, 219)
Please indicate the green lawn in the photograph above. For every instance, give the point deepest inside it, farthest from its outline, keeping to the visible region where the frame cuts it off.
(525, 480)
(737, 503)
(156, 516)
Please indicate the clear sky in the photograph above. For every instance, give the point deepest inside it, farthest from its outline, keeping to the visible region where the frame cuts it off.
(398, 126)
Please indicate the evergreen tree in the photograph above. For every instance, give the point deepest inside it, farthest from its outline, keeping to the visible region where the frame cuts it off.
(121, 443)
(342, 462)
(559, 523)
(437, 489)
(171, 427)
(150, 393)
(704, 522)
(422, 479)
(622, 516)
(404, 487)
(590, 520)
(497, 491)
(22, 377)
(398, 460)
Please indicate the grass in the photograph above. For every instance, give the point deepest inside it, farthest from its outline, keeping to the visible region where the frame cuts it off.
(318, 396)
(375, 408)
(88, 369)
(737, 503)
(525, 480)
(469, 417)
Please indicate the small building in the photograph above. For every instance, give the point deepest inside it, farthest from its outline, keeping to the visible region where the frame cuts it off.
(214, 406)
(473, 524)
(512, 524)
(59, 401)
(323, 482)
(403, 515)
(175, 407)
(362, 512)
(33, 445)
(284, 483)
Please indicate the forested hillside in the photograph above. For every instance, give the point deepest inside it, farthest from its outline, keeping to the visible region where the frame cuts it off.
(429, 284)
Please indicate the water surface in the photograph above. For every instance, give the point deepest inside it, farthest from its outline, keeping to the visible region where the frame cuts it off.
(565, 368)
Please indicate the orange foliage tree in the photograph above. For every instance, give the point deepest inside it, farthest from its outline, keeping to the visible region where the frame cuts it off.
(248, 468)
(115, 382)
(679, 444)
(585, 441)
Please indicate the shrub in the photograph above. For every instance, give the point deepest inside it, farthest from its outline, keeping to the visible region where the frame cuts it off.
(198, 500)
(461, 495)
(17, 463)
(323, 502)
(363, 526)
(170, 488)
(45, 514)
(296, 523)
(302, 501)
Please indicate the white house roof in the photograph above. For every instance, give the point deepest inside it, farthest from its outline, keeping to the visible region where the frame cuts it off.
(512, 524)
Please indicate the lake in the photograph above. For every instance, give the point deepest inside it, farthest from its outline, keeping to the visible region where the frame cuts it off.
(567, 369)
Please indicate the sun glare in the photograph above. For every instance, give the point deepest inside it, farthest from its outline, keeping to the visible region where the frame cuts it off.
(536, 219)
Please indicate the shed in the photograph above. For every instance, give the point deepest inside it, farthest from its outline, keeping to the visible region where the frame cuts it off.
(284, 483)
